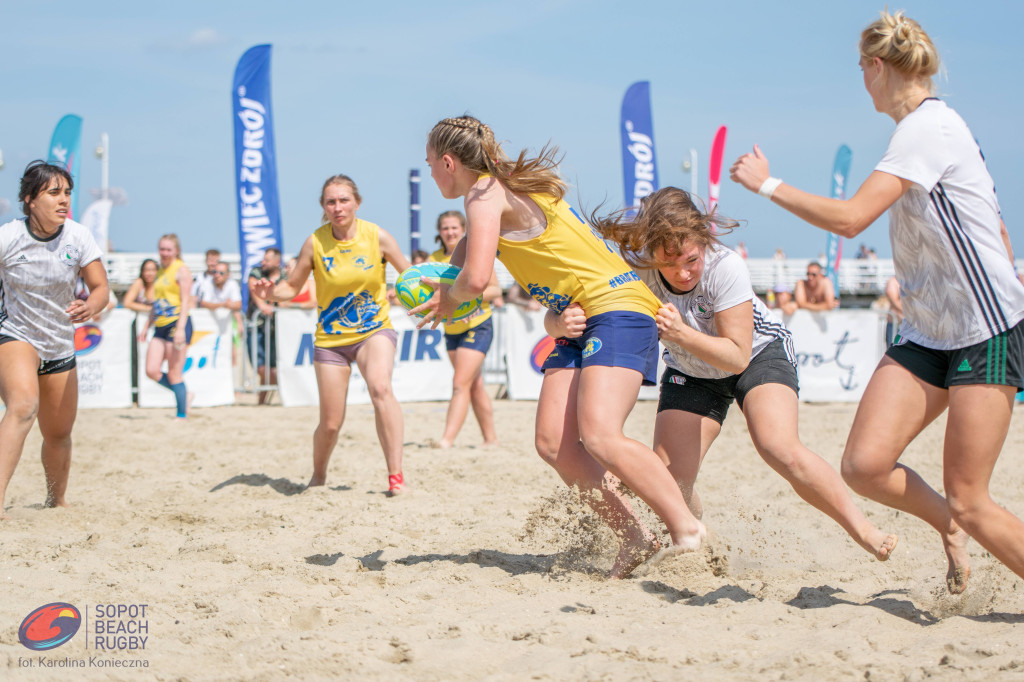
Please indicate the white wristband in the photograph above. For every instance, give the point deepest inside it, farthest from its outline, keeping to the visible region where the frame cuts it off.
(768, 187)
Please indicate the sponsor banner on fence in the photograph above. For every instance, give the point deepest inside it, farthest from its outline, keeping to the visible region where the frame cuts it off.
(837, 351)
(528, 345)
(208, 372)
(103, 360)
(422, 369)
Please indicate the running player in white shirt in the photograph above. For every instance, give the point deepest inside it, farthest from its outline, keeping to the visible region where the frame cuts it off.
(961, 344)
(41, 257)
(723, 344)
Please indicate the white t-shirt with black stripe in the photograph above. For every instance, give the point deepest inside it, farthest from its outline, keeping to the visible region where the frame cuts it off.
(37, 283)
(724, 284)
(957, 284)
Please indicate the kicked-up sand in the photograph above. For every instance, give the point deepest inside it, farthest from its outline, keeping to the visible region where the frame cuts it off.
(488, 569)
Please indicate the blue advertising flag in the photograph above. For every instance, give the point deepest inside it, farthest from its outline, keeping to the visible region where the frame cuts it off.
(834, 245)
(259, 214)
(639, 166)
(65, 151)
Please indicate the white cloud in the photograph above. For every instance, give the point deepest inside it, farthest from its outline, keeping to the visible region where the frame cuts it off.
(205, 37)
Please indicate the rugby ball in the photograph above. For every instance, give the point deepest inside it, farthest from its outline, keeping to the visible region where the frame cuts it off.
(411, 291)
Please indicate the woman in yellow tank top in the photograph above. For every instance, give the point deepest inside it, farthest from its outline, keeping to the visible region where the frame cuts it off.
(348, 257)
(467, 342)
(172, 327)
(592, 378)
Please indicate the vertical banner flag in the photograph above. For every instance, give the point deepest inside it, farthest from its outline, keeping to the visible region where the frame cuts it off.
(259, 214)
(414, 210)
(639, 166)
(65, 151)
(97, 218)
(834, 245)
(715, 172)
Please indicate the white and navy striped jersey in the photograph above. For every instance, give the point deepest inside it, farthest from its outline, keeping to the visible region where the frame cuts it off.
(957, 284)
(724, 284)
(37, 283)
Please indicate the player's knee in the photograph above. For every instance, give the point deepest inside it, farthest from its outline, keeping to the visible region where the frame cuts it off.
(379, 390)
(23, 409)
(858, 474)
(966, 508)
(547, 447)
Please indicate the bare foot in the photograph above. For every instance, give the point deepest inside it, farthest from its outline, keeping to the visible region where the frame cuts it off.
(491, 443)
(632, 555)
(883, 550)
(959, 563)
(690, 542)
(444, 443)
(52, 503)
(316, 481)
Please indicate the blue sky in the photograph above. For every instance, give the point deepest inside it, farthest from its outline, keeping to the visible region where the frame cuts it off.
(357, 86)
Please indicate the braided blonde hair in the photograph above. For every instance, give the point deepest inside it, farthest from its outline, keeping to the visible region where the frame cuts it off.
(900, 42)
(473, 144)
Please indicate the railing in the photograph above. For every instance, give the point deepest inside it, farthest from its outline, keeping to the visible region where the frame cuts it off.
(856, 277)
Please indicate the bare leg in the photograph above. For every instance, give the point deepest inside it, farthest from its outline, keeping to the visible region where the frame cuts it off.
(332, 388)
(58, 407)
(681, 440)
(376, 360)
(558, 444)
(771, 412)
(467, 364)
(979, 417)
(606, 395)
(19, 390)
(895, 408)
(483, 410)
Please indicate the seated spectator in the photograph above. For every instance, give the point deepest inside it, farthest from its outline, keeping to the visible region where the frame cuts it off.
(212, 259)
(222, 294)
(784, 299)
(419, 256)
(306, 298)
(815, 292)
(140, 295)
(517, 295)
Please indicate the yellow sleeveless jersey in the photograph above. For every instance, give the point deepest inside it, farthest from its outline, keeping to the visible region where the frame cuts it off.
(570, 263)
(351, 292)
(167, 295)
(472, 322)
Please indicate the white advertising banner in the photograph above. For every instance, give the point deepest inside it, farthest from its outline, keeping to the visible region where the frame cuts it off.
(208, 373)
(837, 352)
(422, 369)
(103, 360)
(528, 345)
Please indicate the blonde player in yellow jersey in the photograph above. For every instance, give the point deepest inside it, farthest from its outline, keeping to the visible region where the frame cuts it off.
(170, 337)
(348, 257)
(592, 378)
(467, 342)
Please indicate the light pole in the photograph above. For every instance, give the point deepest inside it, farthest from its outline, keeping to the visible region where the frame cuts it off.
(103, 154)
(690, 167)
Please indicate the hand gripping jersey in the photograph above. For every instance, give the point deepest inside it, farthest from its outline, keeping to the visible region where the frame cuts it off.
(468, 323)
(570, 263)
(957, 283)
(351, 291)
(724, 284)
(37, 283)
(167, 306)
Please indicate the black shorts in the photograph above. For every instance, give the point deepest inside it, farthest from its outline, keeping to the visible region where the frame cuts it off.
(166, 332)
(47, 366)
(712, 397)
(998, 360)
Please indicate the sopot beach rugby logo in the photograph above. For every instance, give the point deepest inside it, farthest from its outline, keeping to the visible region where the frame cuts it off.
(49, 626)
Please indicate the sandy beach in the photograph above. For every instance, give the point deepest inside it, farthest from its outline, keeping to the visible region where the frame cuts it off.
(487, 569)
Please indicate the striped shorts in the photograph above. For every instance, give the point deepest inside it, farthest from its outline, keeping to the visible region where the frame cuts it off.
(998, 360)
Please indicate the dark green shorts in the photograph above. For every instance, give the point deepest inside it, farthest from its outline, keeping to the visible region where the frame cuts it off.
(997, 360)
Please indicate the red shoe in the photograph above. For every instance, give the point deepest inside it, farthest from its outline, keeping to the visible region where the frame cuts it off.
(396, 484)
